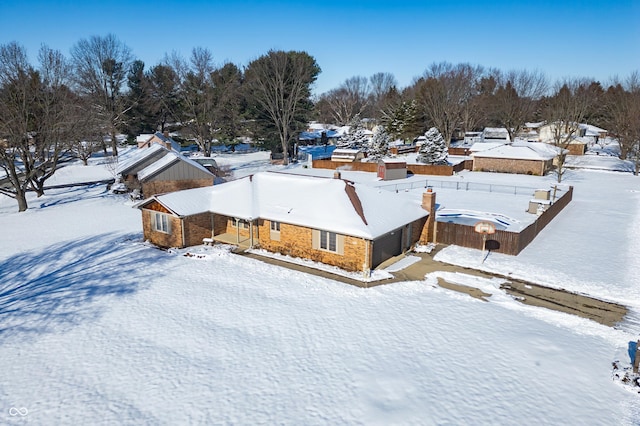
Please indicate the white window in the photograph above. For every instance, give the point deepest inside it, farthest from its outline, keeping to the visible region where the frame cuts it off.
(241, 223)
(275, 226)
(328, 241)
(161, 222)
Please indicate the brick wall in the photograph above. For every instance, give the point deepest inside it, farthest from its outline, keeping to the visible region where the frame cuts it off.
(196, 228)
(297, 241)
(503, 165)
(418, 169)
(161, 239)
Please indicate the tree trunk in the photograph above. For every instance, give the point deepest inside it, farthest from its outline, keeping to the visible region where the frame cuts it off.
(285, 150)
(114, 144)
(561, 159)
(21, 197)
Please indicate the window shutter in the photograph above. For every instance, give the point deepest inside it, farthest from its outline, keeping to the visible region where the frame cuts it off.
(315, 239)
(340, 244)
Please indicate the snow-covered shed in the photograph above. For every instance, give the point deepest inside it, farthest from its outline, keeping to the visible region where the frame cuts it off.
(392, 169)
(347, 155)
(332, 221)
(530, 158)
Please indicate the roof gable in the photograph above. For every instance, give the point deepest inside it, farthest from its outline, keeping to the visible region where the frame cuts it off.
(172, 158)
(140, 158)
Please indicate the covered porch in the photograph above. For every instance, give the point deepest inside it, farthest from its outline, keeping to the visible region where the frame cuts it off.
(236, 231)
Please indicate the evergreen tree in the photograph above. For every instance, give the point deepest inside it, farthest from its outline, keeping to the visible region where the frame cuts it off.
(379, 145)
(401, 120)
(357, 136)
(434, 150)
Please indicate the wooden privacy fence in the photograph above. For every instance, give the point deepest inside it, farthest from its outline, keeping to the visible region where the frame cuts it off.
(418, 169)
(506, 242)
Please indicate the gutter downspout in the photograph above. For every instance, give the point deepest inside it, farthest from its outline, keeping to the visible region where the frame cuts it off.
(366, 271)
(250, 233)
(184, 244)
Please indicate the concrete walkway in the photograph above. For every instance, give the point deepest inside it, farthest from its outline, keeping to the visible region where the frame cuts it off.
(526, 292)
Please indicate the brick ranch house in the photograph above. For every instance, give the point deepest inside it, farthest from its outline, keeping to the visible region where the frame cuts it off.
(157, 170)
(333, 221)
(530, 158)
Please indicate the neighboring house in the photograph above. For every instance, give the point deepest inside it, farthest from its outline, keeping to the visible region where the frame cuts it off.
(138, 160)
(316, 137)
(157, 170)
(332, 221)
(531, 131)
(530, 158)
(578, 143)
(147, 140)
(591, 131)
(495, 134)
(173, 172)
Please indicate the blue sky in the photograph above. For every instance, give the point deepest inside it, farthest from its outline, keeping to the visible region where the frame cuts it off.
(596, 39)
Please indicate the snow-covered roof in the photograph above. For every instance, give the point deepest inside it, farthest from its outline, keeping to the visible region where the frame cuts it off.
(165, 162)
(305, 136)
(520, 151)
(174, 145)
(329, 204)
(483, 146)
(346, 151)
(534, 125)
(143, 137)
(139, 156)
(591, 129)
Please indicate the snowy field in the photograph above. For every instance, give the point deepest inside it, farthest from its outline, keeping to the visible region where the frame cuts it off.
(98, 327)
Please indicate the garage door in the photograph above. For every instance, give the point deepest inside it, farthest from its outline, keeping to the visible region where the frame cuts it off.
(386, 247)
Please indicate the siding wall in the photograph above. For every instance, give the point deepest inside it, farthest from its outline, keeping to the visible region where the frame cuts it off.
(154, 187)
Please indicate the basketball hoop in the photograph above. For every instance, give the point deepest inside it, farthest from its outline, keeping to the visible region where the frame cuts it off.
(485, 228)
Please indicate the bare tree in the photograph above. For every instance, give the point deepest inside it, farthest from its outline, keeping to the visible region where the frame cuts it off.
(279, 83)
(349, 100)
(35, 122)
(622, 116)
(101, 65)
(443, 92)
(383, 88)
(564, 112)
(516, 98)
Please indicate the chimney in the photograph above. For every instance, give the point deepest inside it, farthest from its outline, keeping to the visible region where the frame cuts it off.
(429, 204)
(337, 174)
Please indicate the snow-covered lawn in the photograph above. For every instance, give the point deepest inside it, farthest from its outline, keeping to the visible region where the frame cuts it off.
(98, 327)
